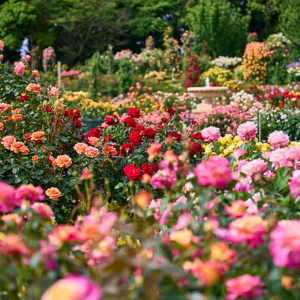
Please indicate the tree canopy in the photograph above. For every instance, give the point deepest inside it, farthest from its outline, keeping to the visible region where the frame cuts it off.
(77, 29)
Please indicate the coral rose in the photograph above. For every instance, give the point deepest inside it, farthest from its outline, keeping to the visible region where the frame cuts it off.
(53, 193)
(64, 161)
(1, 126)
(91, 152)
(19, 68)
(36, 136)
(8, 140)
(17, 117)
(80, 147)
(32, 87)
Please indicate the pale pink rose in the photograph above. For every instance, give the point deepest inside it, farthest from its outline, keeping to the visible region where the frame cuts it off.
(278, 139)
(247, 131)
(211, 133)
(294, 184)
(53, 91)
(238, 153)
(256, 166)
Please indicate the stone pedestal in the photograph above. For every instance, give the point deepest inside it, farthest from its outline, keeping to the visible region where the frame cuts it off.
(208, 96)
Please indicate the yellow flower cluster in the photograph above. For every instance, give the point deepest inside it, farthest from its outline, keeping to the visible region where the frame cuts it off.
(218, 75)
(94, 109)
(228, 143)
(145, 104)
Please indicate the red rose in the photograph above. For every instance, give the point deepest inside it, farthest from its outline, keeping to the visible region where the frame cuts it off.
(139, 128)
(23, 97)
(175, 135)
(73, 113)
(154, 167)
(196, 148)
(160, 127)
(111, 120)
(149, 169)
(146, 169)
(170, 110)
(77, 123)
(197, 136)
(95, 132)
(130, 122)
(132, 172)
(150, 133)
(126, 148)
(134, 112)
(135, 138)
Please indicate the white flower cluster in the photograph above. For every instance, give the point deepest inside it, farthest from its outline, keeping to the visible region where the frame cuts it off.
(245, 101)
(226, 62)
(279, 37)
(294, 70)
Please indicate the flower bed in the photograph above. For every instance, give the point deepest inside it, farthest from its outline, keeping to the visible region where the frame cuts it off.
(143, 206)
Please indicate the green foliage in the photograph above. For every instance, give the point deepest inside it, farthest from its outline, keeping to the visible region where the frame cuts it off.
(289, 24)
(220, 24)
(125, 77)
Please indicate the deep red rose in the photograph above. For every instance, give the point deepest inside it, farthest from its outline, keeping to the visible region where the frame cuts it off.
(170, 110)
(135, 138)
(154, 167)
(177, 136)
(132, 172)
(139, 128)
(134, 112)
(95, 132)
(78, 123)
(197, 136)
(23, 97)
(164, 120)
(73, 113)
(149, 169)
(130, 122)
(111, 120)
(196, 148)
(49, 108)
(126, 148)
(160, 127)
(150, 133)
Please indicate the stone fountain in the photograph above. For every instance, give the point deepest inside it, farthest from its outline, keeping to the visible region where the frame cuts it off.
(208, 94)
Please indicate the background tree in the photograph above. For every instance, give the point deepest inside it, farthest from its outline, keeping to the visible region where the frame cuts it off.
(219, 24)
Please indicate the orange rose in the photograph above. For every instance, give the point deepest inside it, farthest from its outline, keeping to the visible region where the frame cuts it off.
(53, 193)
(38, 135)
(17, 117)
(1, 126)
(35, 158)
(16, 147)
(80, 147)
(93, 140)
(64, 161)
(8, 140)
(91, 152)
(32, 87)
(109, 150)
